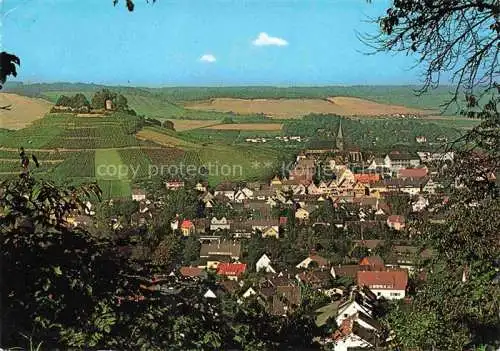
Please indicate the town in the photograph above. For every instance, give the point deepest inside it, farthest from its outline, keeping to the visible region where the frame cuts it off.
(335, 224)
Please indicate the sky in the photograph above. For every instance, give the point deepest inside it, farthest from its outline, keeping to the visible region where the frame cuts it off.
(199, 42)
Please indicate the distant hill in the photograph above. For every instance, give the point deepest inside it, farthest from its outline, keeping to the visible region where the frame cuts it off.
(174, 96)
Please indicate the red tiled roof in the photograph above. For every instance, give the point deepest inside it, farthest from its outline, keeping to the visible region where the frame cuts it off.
(413, 172)
(372, 261)
(393, 280)
(395, 219)
(187, 224)
(231, 269)
(366, 177)
(190, 271)
(321, 261)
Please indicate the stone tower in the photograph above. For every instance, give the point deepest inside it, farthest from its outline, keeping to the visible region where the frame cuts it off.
(339, 140)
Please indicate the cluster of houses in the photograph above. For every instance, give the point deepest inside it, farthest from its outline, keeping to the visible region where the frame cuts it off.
(363, 194)
(284, 139)
(352, 306)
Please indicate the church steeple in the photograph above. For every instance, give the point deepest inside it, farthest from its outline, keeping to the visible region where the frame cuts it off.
(339, 140)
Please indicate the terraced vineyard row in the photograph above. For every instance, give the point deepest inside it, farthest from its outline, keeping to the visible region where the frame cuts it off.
(165, 156)
(137, 161)
(80, 164)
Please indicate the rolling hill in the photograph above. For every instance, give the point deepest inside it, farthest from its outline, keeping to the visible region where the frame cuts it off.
(23, 110)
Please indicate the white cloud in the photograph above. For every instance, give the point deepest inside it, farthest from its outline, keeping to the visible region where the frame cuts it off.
(265, 40)
(208, 58)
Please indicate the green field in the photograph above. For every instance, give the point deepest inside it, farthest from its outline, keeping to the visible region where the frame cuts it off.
(112, 174)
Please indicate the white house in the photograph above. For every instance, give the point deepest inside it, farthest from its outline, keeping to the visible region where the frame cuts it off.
(264, 264)
(318, 260)
(354, 305)
(420, 205)
(390, 284)
(352, 336)
(243, 194)
(138, 195)
(249, 292)
(210, 294)
(226, 192)
(219, 224)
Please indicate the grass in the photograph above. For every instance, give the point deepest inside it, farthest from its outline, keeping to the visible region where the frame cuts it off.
(164, 137)
(113, 175)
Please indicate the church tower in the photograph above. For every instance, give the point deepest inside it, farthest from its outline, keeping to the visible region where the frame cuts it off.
(339, 140)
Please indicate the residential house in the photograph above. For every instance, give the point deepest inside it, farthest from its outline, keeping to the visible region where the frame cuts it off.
(421, 139)
(360, 189)
(241, 229)
(366, 178)
(249, 292)
(232, 271)
(243, 194)
(359, 300)
(192, 272)
(389, 284)
(413, 173)
(219, 224)
(261, 225)
(138, 194)
(313, 189)
(174, 184)
(271, 232)
(302, 214)
(350, 271)
(352, 336)
(174, 223)
(226, 189)
(220, 251)
(320, 279)
(201, 187)
(303, 171)
(264, 264)
(201, 225)
(275, 182)
(431, 186)
(263, 194)
(286, 300)
(396, 160)
(371, 263)
(187, 227)
(411, 186)
(396, 222)
(313, 260)
(406, 257)
(426, 157)
(420, 204)
(209, 294)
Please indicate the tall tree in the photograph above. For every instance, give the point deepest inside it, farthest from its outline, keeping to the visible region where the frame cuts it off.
(458, 304)
(456, 37)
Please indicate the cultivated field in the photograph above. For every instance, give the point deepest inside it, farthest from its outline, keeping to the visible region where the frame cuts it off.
(296, 108)
(186, 124)
(163, 138)
(23, 111)
(248, 126)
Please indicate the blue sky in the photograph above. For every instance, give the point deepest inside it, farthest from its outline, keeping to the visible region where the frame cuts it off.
(309, 42)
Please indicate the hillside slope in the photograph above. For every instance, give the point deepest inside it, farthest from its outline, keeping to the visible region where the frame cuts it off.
(23, 110)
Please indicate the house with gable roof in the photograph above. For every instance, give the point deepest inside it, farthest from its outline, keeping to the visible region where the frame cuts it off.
(389, 284)
(264, 264)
